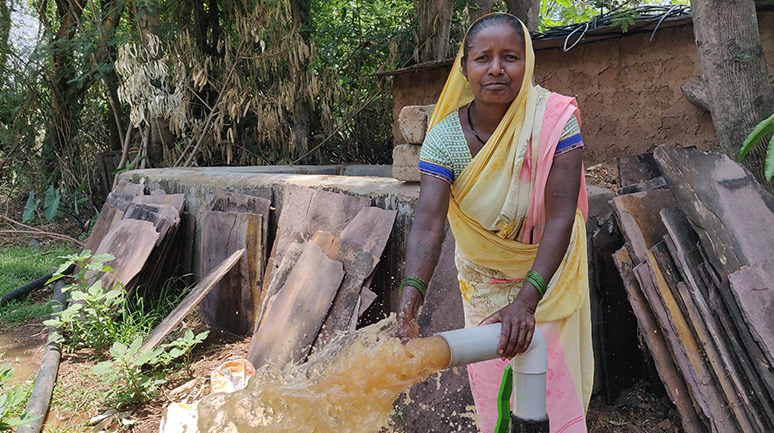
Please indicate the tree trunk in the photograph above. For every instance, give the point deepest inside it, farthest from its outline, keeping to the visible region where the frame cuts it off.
(527, 10)
(479, 8)
(5, 30)
(106, 55)
(66, 94)
(434, 28)
(302, 112)
(161, 138)
(734, 74)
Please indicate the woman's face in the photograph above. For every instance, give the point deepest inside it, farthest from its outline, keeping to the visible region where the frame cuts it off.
(495, 65)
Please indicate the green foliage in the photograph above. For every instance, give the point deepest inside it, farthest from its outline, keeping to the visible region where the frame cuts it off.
(51, 205)
(105, 320)
(20, 265)
(30, 207)
(554, 13)
(761, 130)
(11, 403)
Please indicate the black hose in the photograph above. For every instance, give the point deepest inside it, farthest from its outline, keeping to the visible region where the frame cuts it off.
(37, 405)
(29, 287)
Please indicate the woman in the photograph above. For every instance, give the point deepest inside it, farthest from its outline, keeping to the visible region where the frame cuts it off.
(503, 160)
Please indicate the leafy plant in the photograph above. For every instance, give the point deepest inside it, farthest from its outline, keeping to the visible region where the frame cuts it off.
(10, 401)
(30, 207)
(51, 205)
(764, 128)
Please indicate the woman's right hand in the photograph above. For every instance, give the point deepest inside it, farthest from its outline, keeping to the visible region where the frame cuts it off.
(408, 328)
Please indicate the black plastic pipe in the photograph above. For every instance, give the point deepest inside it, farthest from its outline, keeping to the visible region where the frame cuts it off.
(40, 399)
(29, 287)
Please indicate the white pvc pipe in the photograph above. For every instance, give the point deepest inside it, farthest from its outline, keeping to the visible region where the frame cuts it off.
(471, 345)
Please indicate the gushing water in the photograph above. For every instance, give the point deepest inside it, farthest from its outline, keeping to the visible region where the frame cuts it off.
(350, 386)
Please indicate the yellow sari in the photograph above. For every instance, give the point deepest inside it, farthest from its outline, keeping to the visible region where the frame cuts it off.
(496, 207)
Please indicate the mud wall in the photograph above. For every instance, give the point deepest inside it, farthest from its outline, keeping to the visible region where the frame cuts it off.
(628, 89)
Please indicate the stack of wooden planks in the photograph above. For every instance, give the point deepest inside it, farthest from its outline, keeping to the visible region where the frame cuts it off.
(699, 276)
(316, 280)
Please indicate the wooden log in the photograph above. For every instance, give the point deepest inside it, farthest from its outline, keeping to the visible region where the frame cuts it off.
(651, 332)
(233, 303)
(638, 217)
(358, 265)
(198, 293)
(684, 347)
(298, 312)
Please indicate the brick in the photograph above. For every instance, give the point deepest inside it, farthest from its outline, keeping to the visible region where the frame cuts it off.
(405, 161)
(413, 121)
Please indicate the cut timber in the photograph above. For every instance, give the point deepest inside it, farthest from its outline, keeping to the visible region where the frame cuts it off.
(685, 242)
(713, 369)
(639, 220)
(177, 201)
(233, 303)
(358, 265)
(650, 184)
(637, 169)
(231, 202)
(197, 294)
(684, 347)
(164, 217)
(131, 243)
(720, 198)
(753, 288)
(296, 315)
(305, 211)
(673, 382)
(278, 278)
(101, 227)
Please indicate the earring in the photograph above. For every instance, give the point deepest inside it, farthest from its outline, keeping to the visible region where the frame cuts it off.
(502, 71)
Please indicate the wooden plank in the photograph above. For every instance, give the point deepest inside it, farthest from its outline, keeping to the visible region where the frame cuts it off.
(674, 383)
(177, 201)
(299, 310)
(370, 229)
(198, 293)
(718, 197)
(101, 227)
(688, 354)
(164, 217)
(131, 243)
(130, 188)
(753, 289)
(358, 265)
(233, 303)
(650, 184)
(686, 246)
(638, 217)
(225, 201)
(719, 371)
(637, 168)
(305, 211)
(278, 278)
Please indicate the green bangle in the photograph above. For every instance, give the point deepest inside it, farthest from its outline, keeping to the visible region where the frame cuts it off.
(416, 283)
(536, 280)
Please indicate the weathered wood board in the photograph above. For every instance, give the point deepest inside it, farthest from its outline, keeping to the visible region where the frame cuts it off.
(719, 196)
(297, 314)
(278, 279)
(637, 169)
(753, 289)
(688, 355)
(198, 293)
(714, 368)
(305, 211)
(674, 383)
(131, 243)
(177, 201)
(225, 201)
(164, 217)
(101, 227)
(650, 184)
(685, 243)
(638, 217)
(358, 265)
(233, 303)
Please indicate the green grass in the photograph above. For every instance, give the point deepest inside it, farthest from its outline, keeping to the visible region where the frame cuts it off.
(20, 265)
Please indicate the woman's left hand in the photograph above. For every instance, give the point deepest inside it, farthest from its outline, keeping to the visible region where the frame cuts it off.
(518, 319)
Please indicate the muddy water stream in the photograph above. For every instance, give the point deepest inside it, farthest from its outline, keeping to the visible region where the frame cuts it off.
(348, 387)
(22, 353)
